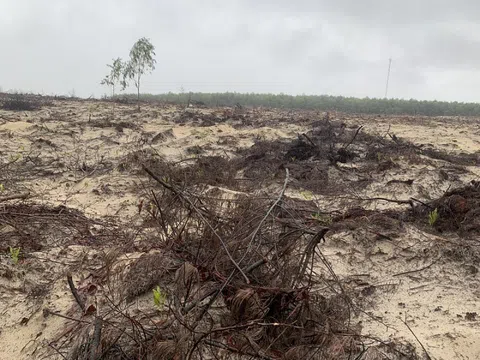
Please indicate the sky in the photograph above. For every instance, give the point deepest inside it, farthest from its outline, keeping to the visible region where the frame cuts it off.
(334, 47)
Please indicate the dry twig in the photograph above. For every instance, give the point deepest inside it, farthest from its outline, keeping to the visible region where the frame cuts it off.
(22, 196)
(75, 294)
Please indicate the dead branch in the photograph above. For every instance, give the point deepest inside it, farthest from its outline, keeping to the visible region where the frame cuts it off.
(68, 317)
(9, 163)
(422, 203)
(176, 191)
(418, 270)
(309, 140)
(397, 181)
(236, 351)
(309, 253)
(226, 329)
(214, 297)
(269, 211)
(75, 293)
(97, 333)
(354, 137)
(190, 306)
(22, 196)
(406, 202)
(57, 351)
(255, 265)
(416, 338)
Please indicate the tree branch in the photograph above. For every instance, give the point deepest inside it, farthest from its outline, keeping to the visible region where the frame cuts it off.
(15, 196)
(75, 292)
(175, 191)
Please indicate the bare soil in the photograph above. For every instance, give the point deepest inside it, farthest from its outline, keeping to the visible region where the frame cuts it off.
(387, 280)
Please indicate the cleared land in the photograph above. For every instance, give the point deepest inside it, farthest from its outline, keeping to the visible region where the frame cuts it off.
(269, 233)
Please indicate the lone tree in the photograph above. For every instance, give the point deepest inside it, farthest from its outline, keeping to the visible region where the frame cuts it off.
(114, 78)
(141, 61)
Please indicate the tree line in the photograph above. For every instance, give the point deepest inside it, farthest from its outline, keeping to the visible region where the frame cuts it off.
(142, 61)
(322, 103)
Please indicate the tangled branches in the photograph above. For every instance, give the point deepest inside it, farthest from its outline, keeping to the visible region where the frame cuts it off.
(235, 277)
(33, 226)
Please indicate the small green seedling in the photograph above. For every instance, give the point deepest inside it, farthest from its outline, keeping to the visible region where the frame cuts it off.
(324, 219)
(14, 254)
(2, 188)
(433, 217)
(307, 195)
(13, 158)
(152, 208)
(159, 298)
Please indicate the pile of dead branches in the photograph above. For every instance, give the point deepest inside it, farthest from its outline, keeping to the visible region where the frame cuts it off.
(309, 157)
(227, 274)
(457, 211)
(31, 227)
(242, 277)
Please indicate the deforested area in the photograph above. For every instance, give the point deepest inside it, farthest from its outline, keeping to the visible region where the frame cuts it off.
(203, 232)
(215, 180)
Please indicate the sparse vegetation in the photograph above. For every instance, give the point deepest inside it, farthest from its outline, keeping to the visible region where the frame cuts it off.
(324, 219)
(433, 217)
(114, 78)
(159, 298)
(307, 195)
(142, 61)
(14, 254)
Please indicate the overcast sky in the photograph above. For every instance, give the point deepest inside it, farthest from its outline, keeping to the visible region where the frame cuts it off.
(338, 47)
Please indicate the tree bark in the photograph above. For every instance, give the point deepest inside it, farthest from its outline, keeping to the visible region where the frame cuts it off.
(113, 100)
(138, 93)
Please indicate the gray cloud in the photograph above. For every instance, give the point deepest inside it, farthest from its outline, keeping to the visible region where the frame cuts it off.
(306, 46)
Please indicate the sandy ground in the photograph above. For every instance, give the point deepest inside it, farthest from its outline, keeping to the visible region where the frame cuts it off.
(74, 160)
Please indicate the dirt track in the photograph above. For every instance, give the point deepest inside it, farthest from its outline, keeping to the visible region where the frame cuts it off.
(373, 187)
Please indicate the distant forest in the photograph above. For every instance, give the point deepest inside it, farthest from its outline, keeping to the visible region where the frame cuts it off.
(323, 103)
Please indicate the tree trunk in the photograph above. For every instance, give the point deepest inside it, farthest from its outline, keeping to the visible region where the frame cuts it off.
(138, 99)
(138, 93)
(113, 100)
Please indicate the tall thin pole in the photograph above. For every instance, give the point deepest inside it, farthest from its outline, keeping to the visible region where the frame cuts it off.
(388, 76)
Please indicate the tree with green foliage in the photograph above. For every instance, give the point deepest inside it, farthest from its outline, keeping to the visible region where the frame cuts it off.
(379, 107)
(114, 77)
(141, 61)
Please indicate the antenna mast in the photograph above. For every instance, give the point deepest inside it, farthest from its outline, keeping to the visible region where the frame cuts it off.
(388, 76)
